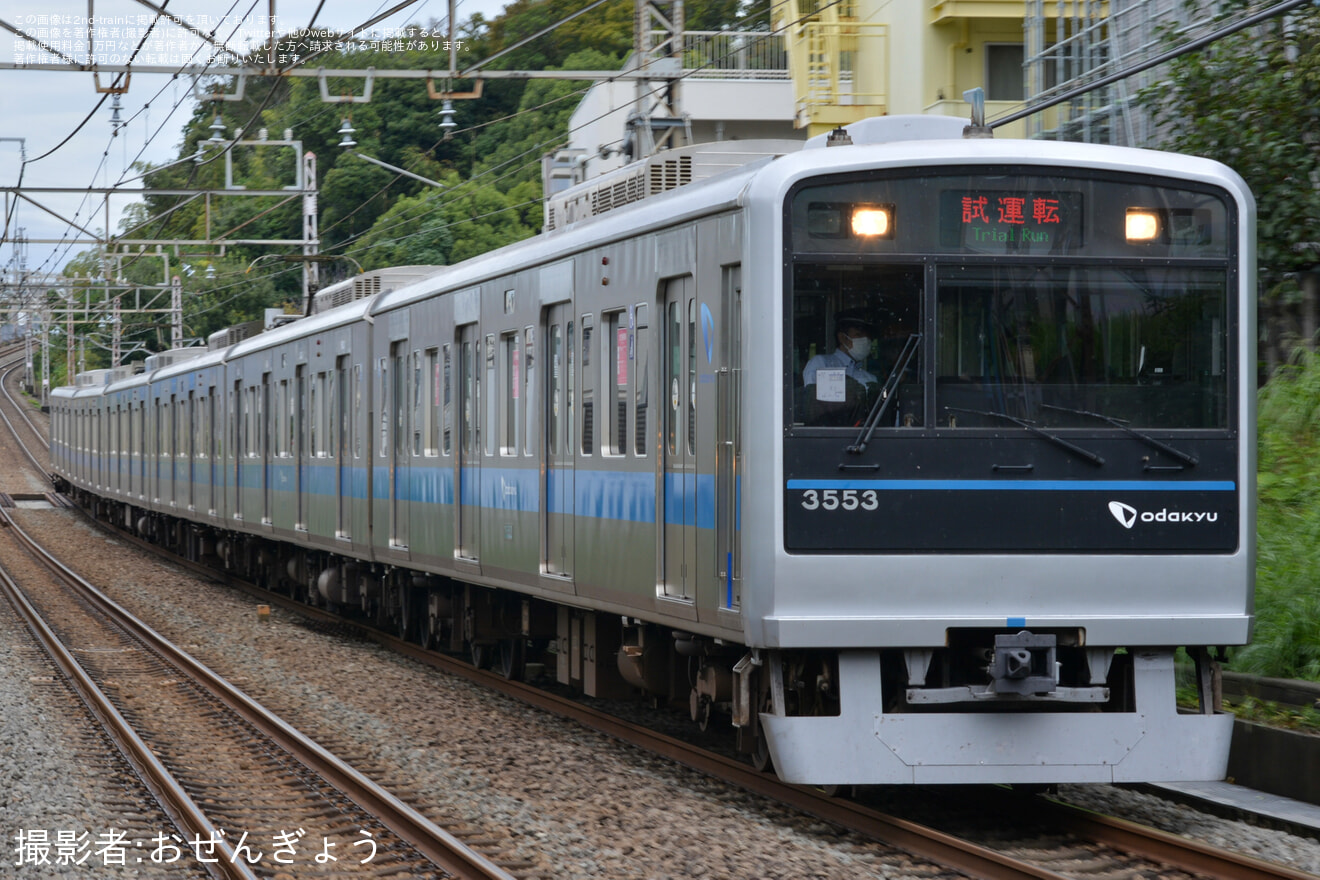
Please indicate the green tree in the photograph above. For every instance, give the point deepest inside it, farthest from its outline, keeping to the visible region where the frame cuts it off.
(1252, 101)
(490, 165)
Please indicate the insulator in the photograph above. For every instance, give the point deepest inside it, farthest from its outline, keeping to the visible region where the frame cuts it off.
(346, 132)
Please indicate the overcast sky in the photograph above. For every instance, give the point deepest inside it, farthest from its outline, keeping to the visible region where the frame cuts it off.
(50, 111)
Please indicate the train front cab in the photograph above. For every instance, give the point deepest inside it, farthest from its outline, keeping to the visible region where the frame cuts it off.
(992, 531)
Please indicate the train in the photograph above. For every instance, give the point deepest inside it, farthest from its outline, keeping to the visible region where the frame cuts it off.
(905, 457)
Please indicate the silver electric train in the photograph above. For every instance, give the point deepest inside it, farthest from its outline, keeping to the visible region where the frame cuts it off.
(912, 459)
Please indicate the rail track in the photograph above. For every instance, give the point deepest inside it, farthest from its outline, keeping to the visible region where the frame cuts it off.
(1039, 839)
(227, 772)
(1033, 837)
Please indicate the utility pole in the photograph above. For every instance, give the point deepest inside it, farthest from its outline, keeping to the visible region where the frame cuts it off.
(176, 312)
(311, 272)
(657, 117)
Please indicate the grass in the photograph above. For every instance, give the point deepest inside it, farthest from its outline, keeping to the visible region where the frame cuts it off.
(1304, 719)
(1286, 643)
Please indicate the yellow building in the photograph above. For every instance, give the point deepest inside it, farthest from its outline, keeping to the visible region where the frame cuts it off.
(858, 58)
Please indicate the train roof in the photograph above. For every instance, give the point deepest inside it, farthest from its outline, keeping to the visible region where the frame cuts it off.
(769, 169)
(319, 323)
(994, 151)
(673, 206)
(876, 143)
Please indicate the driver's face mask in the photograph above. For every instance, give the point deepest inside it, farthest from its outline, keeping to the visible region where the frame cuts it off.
(859, 348)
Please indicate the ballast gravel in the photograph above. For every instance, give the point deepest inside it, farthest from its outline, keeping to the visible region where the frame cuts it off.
(562, 801)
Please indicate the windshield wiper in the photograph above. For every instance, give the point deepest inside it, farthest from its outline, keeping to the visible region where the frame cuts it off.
(886, 394)
(1122, 424)
(1023, 423)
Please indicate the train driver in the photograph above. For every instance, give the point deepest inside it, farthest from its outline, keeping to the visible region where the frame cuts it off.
(835, 382)
(853, 334)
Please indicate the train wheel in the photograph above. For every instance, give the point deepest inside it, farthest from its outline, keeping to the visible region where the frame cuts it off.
(512, 659)
(405, 620)
(482, 655)
(761, 756)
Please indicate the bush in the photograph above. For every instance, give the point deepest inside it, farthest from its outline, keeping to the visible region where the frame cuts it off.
(1287, 638)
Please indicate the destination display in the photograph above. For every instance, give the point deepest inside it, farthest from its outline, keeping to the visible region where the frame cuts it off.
(989, 221)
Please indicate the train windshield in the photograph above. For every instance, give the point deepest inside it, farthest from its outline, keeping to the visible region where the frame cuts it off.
(1051, 344)
(1064, 301)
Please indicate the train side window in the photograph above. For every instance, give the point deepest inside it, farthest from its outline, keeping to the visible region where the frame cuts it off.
(467, 370)
(314, 422)
(641, 378)
(320, 411)
(614, 373)
(259, 421)
(281, 413)
(231, 405)
(511, 363)
(253, 423)
(354, 421)
(692, 376)
(384, 398)
(529, 391)
(240, 423)
(327, 382)
(431, 402)
(492, 400)
(570, 416)
(203, 447)
(343, 416)
(171, 429)
(674, 364)
(588, 403)
(554, 412)
(418, 397)
(399, 401)
(447, 411)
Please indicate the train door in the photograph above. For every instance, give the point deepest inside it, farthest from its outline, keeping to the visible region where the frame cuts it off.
(300, 444)
(211, 445)
(193, 449)
(678, 457)
(467, 471)
(236, 448)
(728, 451)
(167, 417)
(400, 406)
(265, 427)
(138, 438)
(342, 426)
(557, 422)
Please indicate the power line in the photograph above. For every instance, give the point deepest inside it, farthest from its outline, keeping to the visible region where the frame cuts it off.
(1162, 58)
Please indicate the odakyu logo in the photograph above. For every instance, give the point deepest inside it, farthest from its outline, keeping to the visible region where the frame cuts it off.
(1127, 515)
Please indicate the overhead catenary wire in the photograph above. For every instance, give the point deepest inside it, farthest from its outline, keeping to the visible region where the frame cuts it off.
(270, 94)
(458, 191)
(59, 250)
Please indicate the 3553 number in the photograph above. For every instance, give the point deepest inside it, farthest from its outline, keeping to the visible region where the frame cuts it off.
(839, 499)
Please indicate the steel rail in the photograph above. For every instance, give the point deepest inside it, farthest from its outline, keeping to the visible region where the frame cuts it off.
(436, 844)
(914, 838)
(183, 811)
(918, 840)
(973, 859)
(40, 468)
(1160, 846)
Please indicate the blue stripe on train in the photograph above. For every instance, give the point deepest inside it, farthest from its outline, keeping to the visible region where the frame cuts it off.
(626, 496)
(1021, 485)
